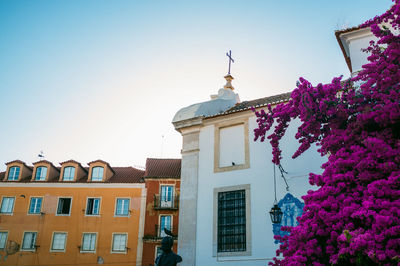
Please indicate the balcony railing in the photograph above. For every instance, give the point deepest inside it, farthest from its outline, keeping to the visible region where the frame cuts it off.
(164, 203)
(159, 233)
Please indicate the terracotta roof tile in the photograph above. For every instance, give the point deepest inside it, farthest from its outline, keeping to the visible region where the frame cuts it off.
(163, 168)
(15, 161)
(42, 161)
(19, 161)
(26, 179)
(45, 161)
(126, 175)
(246, 105)
(97, 161)
(70, 161)
(121, 175)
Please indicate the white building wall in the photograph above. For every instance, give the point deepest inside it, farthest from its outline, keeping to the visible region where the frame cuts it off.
(357, 56)
(232, 146)
(260, 178)
(354, 42)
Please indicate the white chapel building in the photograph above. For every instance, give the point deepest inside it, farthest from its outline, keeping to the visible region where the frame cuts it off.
(227, 179)
(227, 182)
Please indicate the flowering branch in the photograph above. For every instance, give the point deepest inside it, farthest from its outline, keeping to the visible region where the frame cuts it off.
(354, 215)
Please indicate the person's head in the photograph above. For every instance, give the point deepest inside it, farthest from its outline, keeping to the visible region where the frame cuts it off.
(166, 243)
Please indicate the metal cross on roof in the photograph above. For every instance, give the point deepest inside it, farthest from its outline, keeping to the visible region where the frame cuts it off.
(230, 59)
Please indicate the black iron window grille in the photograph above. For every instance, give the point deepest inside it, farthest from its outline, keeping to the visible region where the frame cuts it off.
(232, 221)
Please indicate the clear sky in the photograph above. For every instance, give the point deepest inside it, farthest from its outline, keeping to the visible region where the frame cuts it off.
(89, 80)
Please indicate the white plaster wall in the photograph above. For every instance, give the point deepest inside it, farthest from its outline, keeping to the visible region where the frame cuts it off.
(260, 178)
(357, 56)
(231, 146)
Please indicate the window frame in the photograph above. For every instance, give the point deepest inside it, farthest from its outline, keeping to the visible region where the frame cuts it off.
(87, 202)
(65, 241)
(217, 128)
(155, 251)
(248, 250)
(71, 178)
(91, 174)
(159, 222)
(172, 195)
(5, 240)
(95, 242)
(29, 206)
(70, 206)
(12, 208)
(23, 238)
(126, 243)
(9, 171)
(116, 207)
(36, 172)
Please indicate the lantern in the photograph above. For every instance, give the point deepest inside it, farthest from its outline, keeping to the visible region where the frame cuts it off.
(276, 214)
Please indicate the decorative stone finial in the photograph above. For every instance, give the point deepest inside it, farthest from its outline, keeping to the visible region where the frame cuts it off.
(228, 84)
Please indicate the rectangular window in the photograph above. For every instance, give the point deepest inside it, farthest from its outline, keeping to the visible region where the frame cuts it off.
(232, 221)
(13, 174)
(88, 242)
(97, 173)
(93, 206)
(119, 242)
(69, 173)
(231, 149)
(29, 241)
(64, 206)
(41, 173)
(158, 251)
(7, 205)
(166, 196)
(165, 222)
(59, 240)
(122, 208)
(231, 146)
(35, 206)
(3, 239)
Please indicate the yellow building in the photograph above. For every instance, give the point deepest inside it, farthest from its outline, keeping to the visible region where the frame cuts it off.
(71, 215)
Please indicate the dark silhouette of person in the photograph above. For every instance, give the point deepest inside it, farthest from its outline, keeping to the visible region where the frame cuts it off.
(168, 257)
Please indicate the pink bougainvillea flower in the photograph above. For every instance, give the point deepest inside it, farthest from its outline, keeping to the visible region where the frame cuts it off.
(354, 215)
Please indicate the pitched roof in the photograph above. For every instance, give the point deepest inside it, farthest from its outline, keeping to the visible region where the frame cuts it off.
(104, 162)
(337, 34)
(21, 162)
(15, 161)
(70, 161)
(43, 161)
(163, 168)
(347, 30)
(121, 175)
(247, 105)
(48, 162)
(126, 175)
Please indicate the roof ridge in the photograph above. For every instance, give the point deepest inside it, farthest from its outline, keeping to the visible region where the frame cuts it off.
(247, 105)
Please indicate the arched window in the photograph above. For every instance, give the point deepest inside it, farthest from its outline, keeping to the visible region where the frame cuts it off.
(41, 173)
(13, 173)
(97, 173)
(69, 173)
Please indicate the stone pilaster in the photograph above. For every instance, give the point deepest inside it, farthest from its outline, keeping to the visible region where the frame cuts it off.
(188, 196)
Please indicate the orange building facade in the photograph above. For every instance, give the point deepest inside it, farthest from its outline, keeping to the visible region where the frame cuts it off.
(71, 215)
(162, 179)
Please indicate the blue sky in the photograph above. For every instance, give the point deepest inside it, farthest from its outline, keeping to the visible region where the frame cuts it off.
(90, 80)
